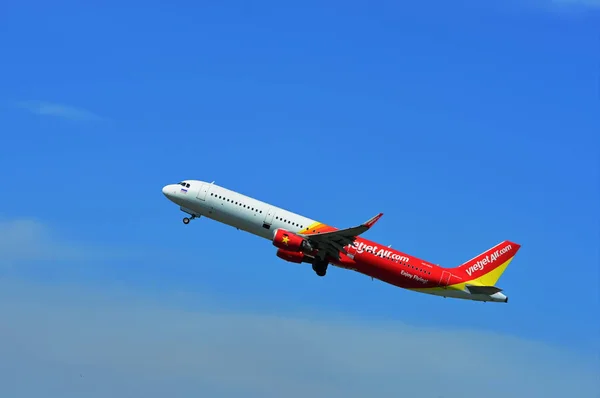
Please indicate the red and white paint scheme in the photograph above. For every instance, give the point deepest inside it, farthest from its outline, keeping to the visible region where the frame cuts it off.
(300, 239)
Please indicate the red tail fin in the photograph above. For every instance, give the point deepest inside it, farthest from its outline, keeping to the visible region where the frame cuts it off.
(486, 268)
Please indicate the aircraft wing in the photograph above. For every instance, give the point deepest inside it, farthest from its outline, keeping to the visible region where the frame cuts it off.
(332, 243)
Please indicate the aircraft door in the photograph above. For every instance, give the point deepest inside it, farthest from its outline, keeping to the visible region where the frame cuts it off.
(269, 218)
(202, 191)
(445, 279)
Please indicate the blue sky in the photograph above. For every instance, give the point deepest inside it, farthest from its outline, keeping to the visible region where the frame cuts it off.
(466, 124)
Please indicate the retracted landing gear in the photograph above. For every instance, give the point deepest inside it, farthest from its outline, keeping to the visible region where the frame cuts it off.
(320, 267)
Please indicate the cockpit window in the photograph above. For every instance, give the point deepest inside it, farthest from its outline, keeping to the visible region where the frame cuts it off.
(184, 184)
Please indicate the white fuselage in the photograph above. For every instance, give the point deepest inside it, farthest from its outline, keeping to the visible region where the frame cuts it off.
(232, 208)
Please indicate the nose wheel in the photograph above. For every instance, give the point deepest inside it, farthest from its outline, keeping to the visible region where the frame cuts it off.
(186, 220)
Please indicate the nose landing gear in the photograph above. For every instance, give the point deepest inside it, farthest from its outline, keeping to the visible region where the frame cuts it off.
(186, 220)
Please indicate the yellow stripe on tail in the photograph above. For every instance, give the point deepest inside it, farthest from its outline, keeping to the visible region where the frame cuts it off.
(487, 268)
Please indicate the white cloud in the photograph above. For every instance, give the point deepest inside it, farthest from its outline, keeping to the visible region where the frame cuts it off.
(73, 342)
(26, 239)
(97, 344)
(562, 8)
(578, 3)
(575, 8)
(59, 110)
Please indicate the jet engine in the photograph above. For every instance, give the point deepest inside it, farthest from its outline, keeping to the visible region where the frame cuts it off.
(291, 256)
(289, 241)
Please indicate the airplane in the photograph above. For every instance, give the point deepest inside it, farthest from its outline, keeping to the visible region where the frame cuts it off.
(299, 239)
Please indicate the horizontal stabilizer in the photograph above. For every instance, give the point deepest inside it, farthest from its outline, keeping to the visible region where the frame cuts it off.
(487, 290)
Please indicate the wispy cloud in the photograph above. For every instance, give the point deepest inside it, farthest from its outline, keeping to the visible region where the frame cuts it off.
(75, 341)
(115, 343)
(567, 8)
(59, 110)
(27, 239)
(577, 3)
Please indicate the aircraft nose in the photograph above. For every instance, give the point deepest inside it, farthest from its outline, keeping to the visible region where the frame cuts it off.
(168, 191)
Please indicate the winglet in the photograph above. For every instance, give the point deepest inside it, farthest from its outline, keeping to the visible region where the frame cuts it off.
(373, 220)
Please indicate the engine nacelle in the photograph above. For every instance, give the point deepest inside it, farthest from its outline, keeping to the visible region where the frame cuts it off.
(291, 256)
(289, 241)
